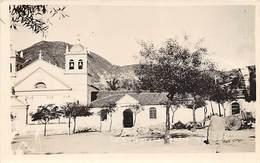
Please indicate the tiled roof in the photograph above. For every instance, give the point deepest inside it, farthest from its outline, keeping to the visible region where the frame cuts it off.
(144, 98)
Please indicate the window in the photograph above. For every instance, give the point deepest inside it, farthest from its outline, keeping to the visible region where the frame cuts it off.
(235, 108)
(40, 85)
(152, 113)
(71, 64)
(80, 64)
(103, 115)
(93, 95)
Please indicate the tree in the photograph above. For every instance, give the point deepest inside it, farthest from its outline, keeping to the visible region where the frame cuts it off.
(74, 110)
(37, 18)
(252, 84)
(109, 108)
(222, 91)
(113, 83)
(176, 69)
(109, 81)
(195, 103)
(45, 113)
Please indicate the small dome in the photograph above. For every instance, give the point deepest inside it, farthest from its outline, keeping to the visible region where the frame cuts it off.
(77, 48)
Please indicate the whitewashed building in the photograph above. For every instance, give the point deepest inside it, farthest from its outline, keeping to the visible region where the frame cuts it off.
(151, 112)
(42, 82)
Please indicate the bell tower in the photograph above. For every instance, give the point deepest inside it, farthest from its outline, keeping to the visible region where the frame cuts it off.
(76, 72)
(76, 59)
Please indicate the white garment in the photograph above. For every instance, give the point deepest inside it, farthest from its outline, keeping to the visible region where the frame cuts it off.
(216, 129)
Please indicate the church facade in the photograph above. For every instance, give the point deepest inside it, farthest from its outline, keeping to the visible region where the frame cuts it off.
(41, 82)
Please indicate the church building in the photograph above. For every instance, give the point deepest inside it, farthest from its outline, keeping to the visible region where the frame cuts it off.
(42, 82)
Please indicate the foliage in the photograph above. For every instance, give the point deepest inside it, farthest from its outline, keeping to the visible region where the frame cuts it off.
(251, 96)
(108, 109)
(34, 17)
(45, 113)
(74, 110)
(113, 83)
(118, 81)
(177, 69)
(179, 125)
(130, 84)
(84, 130)
(174, 69)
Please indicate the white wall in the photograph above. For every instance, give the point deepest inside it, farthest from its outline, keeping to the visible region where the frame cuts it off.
(143, 120)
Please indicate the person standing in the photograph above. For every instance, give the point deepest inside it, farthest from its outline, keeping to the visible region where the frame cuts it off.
(215, 132)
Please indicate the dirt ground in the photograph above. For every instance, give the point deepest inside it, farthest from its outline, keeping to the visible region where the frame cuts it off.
(182, 141)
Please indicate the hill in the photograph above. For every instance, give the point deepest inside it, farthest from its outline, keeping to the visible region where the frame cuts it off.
(53, 52)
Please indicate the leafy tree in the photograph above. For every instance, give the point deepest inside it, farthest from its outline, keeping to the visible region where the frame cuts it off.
(113, 83)
(252, 81)
(45, 113)
(222, 91)
(34, 17)
(176, 69)
(72, 110)
(109, 108)
(250, 89)
(195, 103)
(109, 81)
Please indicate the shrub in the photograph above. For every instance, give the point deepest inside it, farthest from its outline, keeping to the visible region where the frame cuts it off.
(83, 130)
(179, 125)
(190, 125)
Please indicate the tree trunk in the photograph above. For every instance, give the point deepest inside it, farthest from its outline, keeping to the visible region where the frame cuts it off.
(100, 127)
(194, 118)
(110, 127)
(69, 124)
(173, 113)
(219, 109)
(167, 126)
(74, 126)
(44, 133)
(212, 110)
(173, 117)
(205, 115)
(224, 109)
(26, 121)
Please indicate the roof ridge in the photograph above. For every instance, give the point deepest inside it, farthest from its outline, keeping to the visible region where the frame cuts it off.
(109, 96)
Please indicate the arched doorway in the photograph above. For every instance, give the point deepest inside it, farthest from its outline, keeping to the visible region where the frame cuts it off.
(235, 108)
(128, 118)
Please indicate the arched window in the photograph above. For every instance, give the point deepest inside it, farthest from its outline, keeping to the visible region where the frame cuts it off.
(40, 85)
(71, 64)
(235, 108)
(152, 113)
(80, 64)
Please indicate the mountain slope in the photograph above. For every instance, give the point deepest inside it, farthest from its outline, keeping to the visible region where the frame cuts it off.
(53, 52)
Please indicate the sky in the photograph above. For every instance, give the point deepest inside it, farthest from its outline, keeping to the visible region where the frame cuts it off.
(113, 32)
